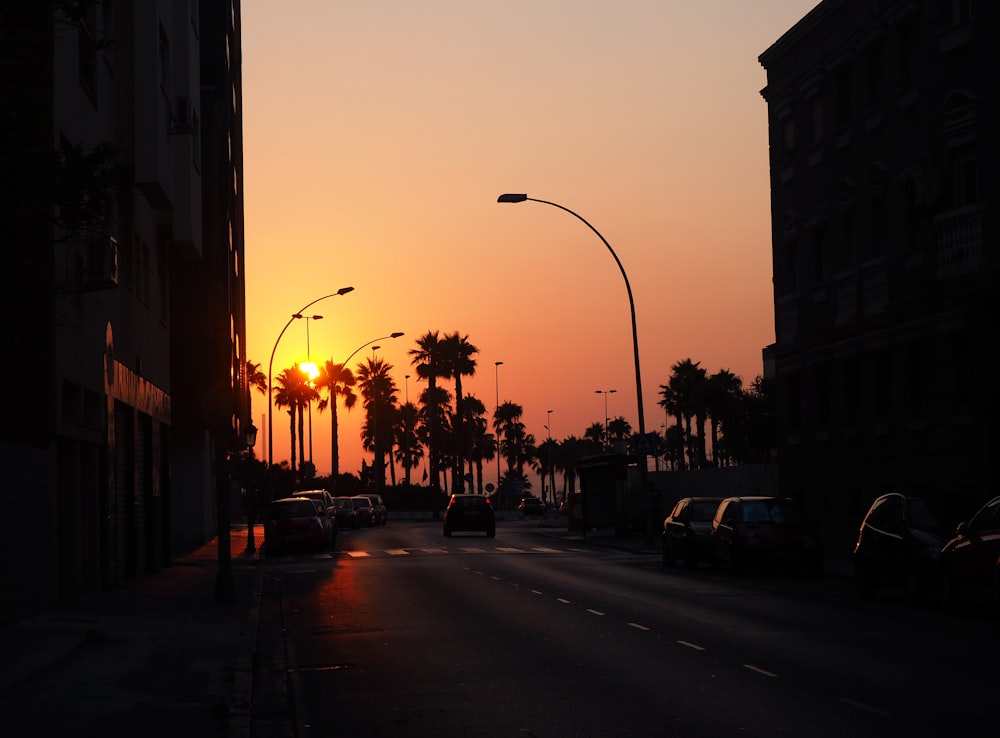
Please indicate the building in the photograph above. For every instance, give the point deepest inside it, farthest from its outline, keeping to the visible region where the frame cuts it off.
(124, 382)
(881, 119)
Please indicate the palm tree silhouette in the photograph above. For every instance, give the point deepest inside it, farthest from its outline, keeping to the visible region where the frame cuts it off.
(379, 392)
(295, 392)
(458, 361)
(428, 359)
(338, 381)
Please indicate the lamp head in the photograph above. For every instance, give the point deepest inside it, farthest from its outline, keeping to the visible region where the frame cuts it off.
(345, 290)
(512, 197)
(251, 435)
(397, 334)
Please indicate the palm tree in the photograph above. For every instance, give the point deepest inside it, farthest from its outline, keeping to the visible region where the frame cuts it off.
(671, 403)
(378, 389)
(338, 381)
(428, 358)
(723, 392)
(619, 429)
(687, 381)
(458, 361)
(295, 392)
(596, 437)
(474, 419)
(571, 450)
(409, 451)
(256, 378)
(545, 465)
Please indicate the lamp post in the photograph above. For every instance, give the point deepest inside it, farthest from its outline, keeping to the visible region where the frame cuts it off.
(643, 473)
(312, 375)
(250, 438)
(270, 369)
(496, 412)
(552, 474)
(605, 393)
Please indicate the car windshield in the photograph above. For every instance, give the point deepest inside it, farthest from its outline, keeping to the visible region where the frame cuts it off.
(770, 511)
(344, 502)
(293, 509)
(702, 510)
(920, 515)
(362, 502)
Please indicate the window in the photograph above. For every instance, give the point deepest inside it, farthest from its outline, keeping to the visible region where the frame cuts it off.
(788, 138)
(790, 268)
(824, 400)
(852, 391)
(882, 366)
(820, 239)
(845, 96)
(816, 118)
(874, 69)
(793, 394)
(915, 376)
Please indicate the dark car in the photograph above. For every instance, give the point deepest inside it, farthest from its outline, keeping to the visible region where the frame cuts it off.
(329, 509)
(378, 505)
(293, 522)
(347, 516)
(764, 531)
(898, 547)
(687, 531)
(469, 513)
(365, 510)
(970, 562)
(531, 506)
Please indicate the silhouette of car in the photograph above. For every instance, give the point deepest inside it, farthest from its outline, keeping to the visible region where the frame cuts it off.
(687, 531)
(970, 562)
(899, 545)
(347, 516)
(381, 511)
(531, 506)
(293, 522)
(365, 510)
(469, 513)
(765, 531)
(326, 503)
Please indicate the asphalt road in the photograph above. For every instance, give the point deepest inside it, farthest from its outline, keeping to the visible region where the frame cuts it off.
(403, 632)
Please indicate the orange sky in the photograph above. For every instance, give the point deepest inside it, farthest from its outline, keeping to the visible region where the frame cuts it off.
(378, 135)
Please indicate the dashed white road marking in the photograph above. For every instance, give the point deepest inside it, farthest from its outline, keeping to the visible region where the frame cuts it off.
(542, 549)
(398, 552)
(637, 626)
(358, 554)
(757, 669)
(535, 592)
(695, 646)
(507, 549)
(563, 601)
(595, 612)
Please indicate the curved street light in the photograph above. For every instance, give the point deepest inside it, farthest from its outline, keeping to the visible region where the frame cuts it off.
(643, 474)
(397, 334)
(270, 367)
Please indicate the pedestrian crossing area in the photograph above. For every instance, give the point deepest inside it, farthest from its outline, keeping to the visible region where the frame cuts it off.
(450, 550)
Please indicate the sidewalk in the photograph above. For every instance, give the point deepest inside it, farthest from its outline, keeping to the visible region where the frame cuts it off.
(159, 656)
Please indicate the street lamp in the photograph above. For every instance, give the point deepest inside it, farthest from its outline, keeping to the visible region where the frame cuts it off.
(552, 473)
(250, 440)
(605, 393)
(313, 372)
(496, 412)
(397, 334)
(643, 473)
(270, 368)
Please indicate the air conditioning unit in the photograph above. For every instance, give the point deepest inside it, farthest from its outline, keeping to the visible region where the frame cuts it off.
(183, 116)
(101, 271)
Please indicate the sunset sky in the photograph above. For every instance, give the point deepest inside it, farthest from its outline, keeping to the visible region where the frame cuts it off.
(379, 134)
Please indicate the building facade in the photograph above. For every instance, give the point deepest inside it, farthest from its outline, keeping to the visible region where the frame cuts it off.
(881, 120)
(124, 384)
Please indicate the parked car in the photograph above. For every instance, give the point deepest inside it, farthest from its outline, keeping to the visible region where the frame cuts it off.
(381, 511)
(325, 501)
(970, 562)
(761, 531)
(687, 531)
(347, 516)
(469, 513)
(363, 507)
(293, 522)
(531, 506)
(899, 545)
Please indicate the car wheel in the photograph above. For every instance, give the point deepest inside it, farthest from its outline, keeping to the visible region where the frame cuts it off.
(492, 533)
(690, 560)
